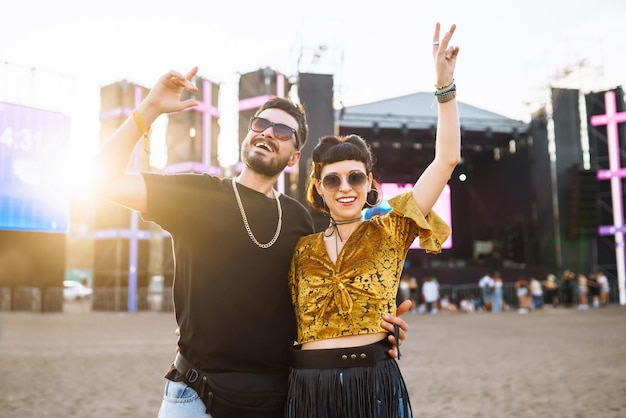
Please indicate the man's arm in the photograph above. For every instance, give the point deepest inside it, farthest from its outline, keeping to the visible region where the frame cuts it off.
(114, 183)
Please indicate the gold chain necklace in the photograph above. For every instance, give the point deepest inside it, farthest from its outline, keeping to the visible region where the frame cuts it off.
(245, 218)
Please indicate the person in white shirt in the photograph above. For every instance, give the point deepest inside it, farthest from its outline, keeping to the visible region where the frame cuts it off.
(430, 293)
(603, 282)
(536, 290)
(486, 290)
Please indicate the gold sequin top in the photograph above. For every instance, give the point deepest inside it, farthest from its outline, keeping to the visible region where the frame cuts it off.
(350, 296)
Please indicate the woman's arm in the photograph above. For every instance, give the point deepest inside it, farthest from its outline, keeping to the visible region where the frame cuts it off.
(448, 142)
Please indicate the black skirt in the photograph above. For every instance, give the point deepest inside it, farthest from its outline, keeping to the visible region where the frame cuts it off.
(359, 382)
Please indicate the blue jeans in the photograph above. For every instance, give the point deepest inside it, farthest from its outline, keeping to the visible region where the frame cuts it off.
(181, 401)
(497, 300)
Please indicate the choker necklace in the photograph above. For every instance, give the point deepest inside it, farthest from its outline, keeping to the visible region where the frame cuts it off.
(245, 218)
(334, 223)
(334, 230)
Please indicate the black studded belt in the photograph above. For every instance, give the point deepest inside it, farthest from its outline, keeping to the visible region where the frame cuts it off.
(233, 394)
(335, 358)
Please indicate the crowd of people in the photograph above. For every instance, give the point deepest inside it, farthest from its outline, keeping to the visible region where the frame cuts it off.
(525, 294)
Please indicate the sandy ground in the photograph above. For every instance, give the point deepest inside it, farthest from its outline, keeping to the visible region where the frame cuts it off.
(552, 363)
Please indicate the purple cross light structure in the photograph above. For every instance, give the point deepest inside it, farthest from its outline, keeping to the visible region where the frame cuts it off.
(615, 174)
(208, 111)
(133, 233)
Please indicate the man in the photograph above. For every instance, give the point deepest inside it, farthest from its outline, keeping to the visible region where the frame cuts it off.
(233, 241)
(486, 285)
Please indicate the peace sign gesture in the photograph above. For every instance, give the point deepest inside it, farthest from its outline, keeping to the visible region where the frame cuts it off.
(444, 56)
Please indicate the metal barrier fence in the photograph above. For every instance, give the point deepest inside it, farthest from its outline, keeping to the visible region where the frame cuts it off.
(116, 299)
(5, 298)
(50, 299)
(29, 298)
(458, 292)
(566, 297)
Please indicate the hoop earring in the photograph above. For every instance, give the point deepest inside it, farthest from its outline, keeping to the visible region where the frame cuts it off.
(370, 197)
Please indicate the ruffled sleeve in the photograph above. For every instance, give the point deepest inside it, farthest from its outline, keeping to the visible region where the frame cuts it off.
(432, 230)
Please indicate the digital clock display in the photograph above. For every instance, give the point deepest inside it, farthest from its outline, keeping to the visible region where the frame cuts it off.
(32, 144)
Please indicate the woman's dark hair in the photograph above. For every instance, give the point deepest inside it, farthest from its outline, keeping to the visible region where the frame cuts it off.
(293, 109)
(333, 149)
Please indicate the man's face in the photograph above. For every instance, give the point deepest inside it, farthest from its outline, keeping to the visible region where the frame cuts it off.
(263, 152)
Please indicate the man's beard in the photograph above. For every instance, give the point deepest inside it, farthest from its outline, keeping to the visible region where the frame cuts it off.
(258, 164)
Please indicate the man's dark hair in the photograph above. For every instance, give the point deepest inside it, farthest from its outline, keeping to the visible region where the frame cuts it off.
(295, 110)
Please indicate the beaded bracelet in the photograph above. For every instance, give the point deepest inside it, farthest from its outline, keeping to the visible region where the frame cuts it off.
(145, 131)
(439, 93)
(445, 86)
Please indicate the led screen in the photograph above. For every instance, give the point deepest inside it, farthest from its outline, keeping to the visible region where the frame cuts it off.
(32, 142)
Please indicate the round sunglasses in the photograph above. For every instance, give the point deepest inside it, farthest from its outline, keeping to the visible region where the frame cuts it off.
(356, 180)
(281, 131)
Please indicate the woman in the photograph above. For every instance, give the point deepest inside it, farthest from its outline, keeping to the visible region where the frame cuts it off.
(523, 299)
(498, 293)
(551, 286)
(593, 290)
(603, 282)
(583, 291)
(344, 280)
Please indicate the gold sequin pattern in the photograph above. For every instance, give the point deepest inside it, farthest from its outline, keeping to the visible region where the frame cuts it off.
(350, 296)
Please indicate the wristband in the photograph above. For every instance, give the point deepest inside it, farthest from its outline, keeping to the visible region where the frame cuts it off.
(145, 132)
(447, 96)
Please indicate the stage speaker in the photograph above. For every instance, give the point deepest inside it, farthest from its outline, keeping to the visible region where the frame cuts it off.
(34, 259)
(111, 262)
(255, 88)
(316, 95)
(583, 203)
(111, 270)
(566, 117)
(117, 102)
(192, 135)
(544, 248)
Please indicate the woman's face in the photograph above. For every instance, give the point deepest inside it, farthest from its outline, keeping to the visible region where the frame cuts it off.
(344, 186)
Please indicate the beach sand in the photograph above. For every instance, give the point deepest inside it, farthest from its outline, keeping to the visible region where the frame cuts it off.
(549, 363)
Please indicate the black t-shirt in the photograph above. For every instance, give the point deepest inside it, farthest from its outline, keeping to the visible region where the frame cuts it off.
(231, 297)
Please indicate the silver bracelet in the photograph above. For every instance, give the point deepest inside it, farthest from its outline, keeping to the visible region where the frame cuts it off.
(447, 96)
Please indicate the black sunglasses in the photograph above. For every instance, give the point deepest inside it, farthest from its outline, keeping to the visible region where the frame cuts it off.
(282, 132)
(356, 180)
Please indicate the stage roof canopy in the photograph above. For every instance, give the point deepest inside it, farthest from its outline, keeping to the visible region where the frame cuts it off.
(418, 111)
(401, 132)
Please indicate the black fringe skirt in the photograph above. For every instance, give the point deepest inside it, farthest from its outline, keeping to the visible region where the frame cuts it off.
(358, 390)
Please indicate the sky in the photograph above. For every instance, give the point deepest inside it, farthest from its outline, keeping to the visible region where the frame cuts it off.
(511, 52)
